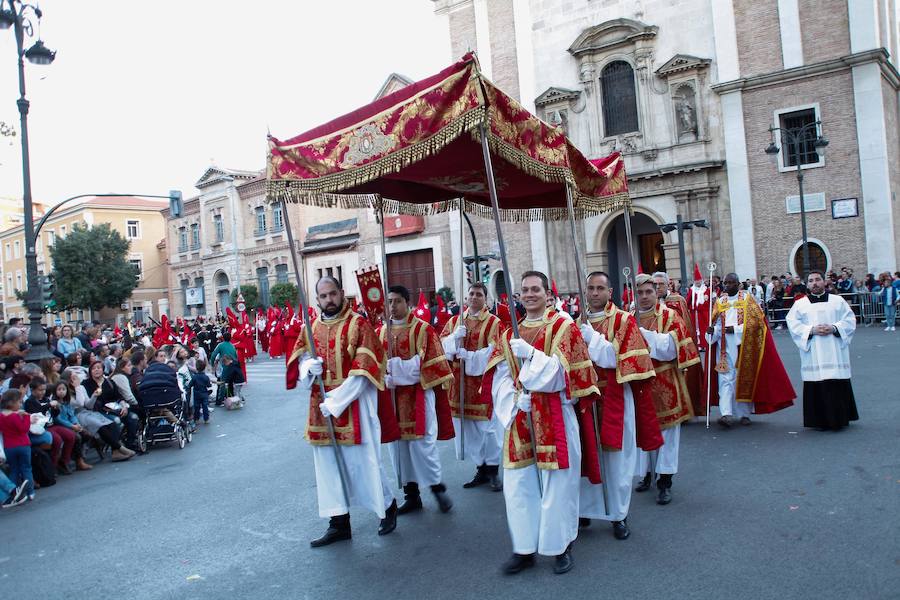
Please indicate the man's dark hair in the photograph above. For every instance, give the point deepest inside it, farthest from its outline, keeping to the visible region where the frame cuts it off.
(226, 336)
(137, 357)
(544, 281)
(598, 274)
(478, 286)
(816, 271)
(10, 397)
(333, 280)
(14, 321)
(400, 291)
(37, 382)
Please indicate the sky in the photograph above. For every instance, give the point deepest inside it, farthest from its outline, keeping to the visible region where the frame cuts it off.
(144, 96)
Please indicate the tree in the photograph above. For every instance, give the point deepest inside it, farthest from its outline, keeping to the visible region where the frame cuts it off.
(91, 268)
(446, 293)
(250, 293)
(283, 293)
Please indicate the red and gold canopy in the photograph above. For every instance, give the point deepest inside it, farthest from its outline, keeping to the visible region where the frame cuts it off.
(420, 147)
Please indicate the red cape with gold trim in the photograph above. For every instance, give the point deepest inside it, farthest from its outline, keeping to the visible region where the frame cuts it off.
(762, 378)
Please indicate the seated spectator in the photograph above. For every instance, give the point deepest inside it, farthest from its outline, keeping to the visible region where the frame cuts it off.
(98, 425)
(64, 417)
(138, 365)
(59, 445)
(15, 495)
(9, 366)
(108, 401)
(200, 387)
(68, 344)
(14, 425)
(74, 361)
(51, 368)
(100, 354)
(14, 343)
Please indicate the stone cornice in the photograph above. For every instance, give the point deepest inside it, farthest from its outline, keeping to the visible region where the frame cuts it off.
(879, 55)
(611, 34)
(675, 170)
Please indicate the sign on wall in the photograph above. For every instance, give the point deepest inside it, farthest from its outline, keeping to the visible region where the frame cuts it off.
(844, 207)
(194, 295)
(811, 203)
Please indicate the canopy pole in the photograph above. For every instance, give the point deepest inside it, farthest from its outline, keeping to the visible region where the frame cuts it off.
(301, 292)
(507, 277)
(462, 321)
(709, 368)
(387, 330)
(580, 275)
(630, 242)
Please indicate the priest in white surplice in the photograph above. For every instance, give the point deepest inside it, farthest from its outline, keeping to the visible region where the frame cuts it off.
(555, 373)
(350, 363)
(822, 326)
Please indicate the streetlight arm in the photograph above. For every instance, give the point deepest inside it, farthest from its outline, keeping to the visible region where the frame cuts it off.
(40, 224)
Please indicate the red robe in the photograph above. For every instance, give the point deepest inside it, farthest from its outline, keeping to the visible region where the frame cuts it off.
(693, 377)
(416, 337)
(761, 377)
(699, 305)
(482, 329)
(553, 335)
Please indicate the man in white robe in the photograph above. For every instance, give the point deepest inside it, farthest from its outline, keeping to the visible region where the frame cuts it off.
(822, 327)
(733, 334)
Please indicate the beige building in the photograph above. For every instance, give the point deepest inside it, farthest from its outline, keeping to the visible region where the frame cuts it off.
(138, 220)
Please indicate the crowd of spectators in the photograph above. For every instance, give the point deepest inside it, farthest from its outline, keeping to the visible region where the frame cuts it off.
(88, 397)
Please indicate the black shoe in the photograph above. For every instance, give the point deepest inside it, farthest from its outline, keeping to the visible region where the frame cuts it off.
(389, 522)
(644, 485)
(338, 529)
(517, 563)
(412, 500)
(481, 477)
(746, 421)
(493, 472)
(665, 496)
(564, 562)
(583, 522)
(620, 529)
(443, 500)
(725, 421)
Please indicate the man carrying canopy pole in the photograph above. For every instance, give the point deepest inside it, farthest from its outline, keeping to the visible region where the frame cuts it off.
(627, 418)
(472, 337)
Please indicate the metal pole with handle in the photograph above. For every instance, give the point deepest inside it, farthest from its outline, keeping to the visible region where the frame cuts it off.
(462, 321)
(301, 292)
(495, 204)
(709, 357)
(387, 331)
(582, 298)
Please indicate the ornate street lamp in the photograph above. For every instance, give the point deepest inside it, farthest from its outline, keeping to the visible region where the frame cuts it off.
(18, 15)
(793, 138)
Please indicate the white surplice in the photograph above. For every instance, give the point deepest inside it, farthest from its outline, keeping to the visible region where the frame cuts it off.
(663, 347)
(367, 485)
(483, 438)
(822, 356)
(616, 468)
(546, 523)
(727, 405)
(419, 461)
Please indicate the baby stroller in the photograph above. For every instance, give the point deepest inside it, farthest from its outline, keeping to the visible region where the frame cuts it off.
(165, 409)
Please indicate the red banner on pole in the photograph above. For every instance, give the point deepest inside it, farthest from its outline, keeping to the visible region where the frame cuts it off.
(371, 291)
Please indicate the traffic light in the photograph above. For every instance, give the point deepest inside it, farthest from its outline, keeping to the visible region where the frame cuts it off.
(470, 272)
(47, 291)
(485, 272)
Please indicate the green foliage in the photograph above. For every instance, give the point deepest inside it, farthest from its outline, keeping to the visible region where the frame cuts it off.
(251, 296)
(446, 293)
(91, 268)
(283, 293)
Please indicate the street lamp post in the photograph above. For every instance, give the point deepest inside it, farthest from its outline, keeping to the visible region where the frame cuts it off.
(792, 138)
(15, 14)
(681, 225)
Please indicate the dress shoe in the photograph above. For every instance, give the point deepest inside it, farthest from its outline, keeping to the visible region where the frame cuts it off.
(665, 496)
(493, 472)
(389, 522)
(517, 563)
(338, 529)
(620, 529)
(443, 500)
(725, 421)
(644, 485)
(583, 522)
(481, 477)
(746, 421)
(564, 562)
(63, 469)
(412, 500)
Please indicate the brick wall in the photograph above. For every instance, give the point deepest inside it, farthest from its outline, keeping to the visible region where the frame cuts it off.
(758, 36)
(892, 128)
(825, 29)
(775, 231)
(462, 31)
(504, 63)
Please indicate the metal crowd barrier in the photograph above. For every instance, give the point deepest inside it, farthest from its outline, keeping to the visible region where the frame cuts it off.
(867, 307)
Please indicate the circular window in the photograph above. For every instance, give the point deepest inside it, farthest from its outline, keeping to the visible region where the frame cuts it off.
(818, 259)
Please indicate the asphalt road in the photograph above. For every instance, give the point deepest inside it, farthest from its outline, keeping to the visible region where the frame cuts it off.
(767, 511)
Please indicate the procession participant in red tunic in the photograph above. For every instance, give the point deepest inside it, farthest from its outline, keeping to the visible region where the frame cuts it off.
(556, 384)
(750, 375)
(419, 373)
(626, 417)
(473, 339)
(672, 351)
(350, 362)
(276, 335)
(693, 377)
(262, 328)
(698, 300)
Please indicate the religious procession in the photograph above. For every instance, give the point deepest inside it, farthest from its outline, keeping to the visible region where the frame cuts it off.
(565, 411)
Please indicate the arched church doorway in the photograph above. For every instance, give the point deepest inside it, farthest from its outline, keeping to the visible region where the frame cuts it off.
(647, 241)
